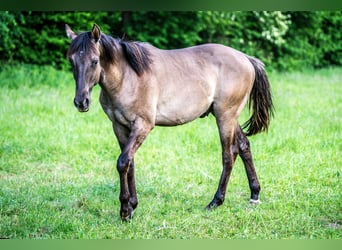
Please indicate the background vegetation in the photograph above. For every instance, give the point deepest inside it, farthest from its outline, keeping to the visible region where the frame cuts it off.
(283, 40)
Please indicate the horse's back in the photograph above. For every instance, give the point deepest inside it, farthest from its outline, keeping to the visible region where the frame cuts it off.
(208, 63)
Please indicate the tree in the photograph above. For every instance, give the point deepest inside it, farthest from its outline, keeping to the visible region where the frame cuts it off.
(283, 40)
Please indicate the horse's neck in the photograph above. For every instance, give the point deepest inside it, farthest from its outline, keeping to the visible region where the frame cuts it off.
(117, 75)
(111, 78)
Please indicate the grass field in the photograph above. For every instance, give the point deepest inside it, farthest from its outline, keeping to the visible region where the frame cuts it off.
(58, 177)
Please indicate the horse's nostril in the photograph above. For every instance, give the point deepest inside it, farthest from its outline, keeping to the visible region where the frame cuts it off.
(85, 102)
(76, 102)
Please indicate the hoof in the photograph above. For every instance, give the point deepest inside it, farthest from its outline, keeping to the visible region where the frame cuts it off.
(254, 202)
(211, 207)
(127, 216)
(214, 204)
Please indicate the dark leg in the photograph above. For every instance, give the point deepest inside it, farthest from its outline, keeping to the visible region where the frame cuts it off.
(122, 134)
(126, 209)
(246, 156)
(131, 186)
(229, 153)
(129, 200)
(129, 141)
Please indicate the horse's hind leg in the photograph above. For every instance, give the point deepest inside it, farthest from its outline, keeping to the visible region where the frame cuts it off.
(246, 156)
(226, 127)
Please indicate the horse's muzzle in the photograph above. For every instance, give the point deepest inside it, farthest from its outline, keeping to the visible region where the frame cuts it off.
(82, 105)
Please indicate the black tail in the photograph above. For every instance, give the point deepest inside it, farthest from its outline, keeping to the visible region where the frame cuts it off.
(260, 100)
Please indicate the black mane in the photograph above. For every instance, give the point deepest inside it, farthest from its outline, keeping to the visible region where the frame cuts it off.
(137, 56)
(109, 47)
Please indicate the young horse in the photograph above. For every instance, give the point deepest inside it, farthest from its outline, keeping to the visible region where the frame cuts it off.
(143, 86)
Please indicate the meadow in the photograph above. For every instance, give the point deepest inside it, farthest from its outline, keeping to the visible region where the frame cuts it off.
(58, 178)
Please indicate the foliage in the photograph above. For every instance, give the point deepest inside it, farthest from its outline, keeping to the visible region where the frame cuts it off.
(255, 33)
(10, 33)
(43, 40)
(283, 40)
(167, 30)
(313, 41)
(59, 180)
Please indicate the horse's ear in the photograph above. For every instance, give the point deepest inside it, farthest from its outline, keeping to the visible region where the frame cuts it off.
(96, 32)
(69, 32)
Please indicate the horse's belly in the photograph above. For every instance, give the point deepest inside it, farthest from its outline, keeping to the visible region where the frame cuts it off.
(179, 112)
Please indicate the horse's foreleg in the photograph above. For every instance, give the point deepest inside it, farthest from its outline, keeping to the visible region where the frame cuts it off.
(126, 209)
(246, 156)
(129, 142)
(128, 195)
(133, 200)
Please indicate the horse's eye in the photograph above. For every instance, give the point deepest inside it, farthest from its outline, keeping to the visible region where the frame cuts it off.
(94, 63)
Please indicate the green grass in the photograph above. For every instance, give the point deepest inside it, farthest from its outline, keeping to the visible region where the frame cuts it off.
(58, 177)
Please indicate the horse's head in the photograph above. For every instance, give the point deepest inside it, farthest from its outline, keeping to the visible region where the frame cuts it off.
(84, 56)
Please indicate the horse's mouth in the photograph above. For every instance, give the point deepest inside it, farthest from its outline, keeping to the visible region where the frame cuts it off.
(83, 110)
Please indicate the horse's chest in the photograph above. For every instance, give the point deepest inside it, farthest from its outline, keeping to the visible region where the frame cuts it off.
(121, 118)
(107, 106)
(115, 115)
(108, 111)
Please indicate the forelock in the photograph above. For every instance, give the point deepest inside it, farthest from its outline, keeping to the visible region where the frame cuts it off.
(81, 44)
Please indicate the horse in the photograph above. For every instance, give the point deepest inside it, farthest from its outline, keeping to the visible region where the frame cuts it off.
(143, 86)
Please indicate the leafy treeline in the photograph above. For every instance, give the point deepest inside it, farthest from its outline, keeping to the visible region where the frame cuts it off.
(283, 40)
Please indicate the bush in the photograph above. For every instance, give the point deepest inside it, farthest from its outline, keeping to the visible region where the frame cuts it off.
(10, 33)
(283, 40)
(167, 30)
(313, 41)
(259, 34)
(45, 41)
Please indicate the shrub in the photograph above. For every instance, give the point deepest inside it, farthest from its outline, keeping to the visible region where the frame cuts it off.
(283, 40)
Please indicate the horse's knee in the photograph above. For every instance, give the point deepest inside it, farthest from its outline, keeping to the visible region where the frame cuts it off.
(123, 163)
